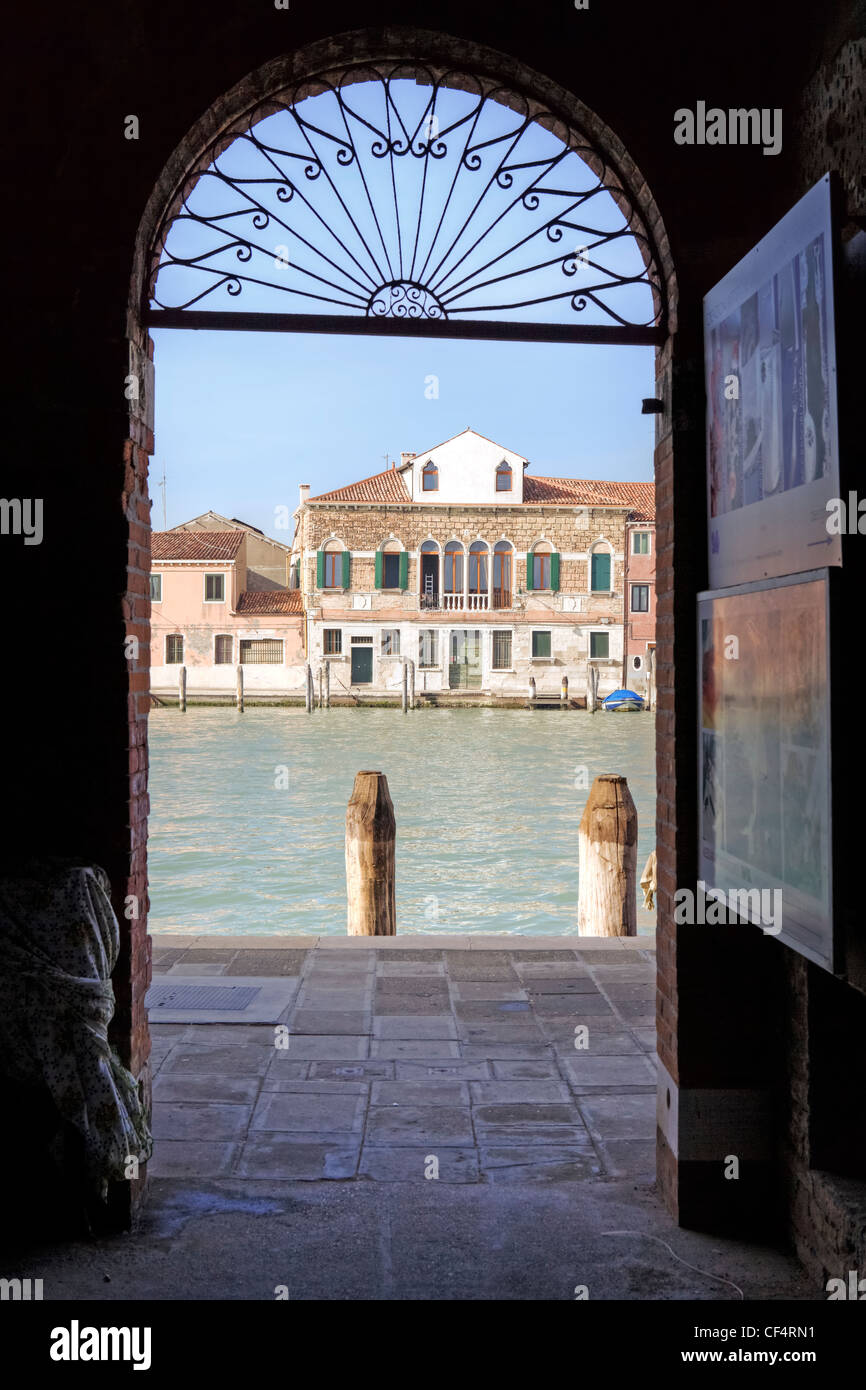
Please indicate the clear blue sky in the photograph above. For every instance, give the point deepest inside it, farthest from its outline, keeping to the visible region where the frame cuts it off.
(243, 418)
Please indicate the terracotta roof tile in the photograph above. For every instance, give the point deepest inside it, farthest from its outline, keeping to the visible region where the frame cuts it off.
(270, 601)
(588, 492)
(382, 487)
(195, 545)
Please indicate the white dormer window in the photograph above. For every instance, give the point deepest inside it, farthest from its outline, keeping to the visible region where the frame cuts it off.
(430, 477)
(503, 477)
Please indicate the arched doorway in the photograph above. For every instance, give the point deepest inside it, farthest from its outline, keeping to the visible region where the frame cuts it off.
(474, 282)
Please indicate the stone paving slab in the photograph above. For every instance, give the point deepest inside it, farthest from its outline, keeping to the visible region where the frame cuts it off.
(426, 1092)
(538, 1163)
(452, 1165)
(298, 1160)
(414, 1026)
(396, 1049)
(447, 1125)
(294, 1110)
(207, 1120)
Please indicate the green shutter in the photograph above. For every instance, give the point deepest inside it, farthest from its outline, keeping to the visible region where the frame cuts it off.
(346, 561)
(404, 569)
(379, 563)
(554, 571)
(600, 572)
(529, 560)
(320, 569)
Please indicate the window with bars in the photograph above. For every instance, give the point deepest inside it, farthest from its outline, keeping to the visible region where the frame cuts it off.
(640, 598)
(428, 647)
(599, 646)
(502, 651)
(174, 650)
(223, 650)
(261, 651)
(156, 588)
(640, 542)
(333, 641)
(214, 588)
(541, 644)
(391, 641)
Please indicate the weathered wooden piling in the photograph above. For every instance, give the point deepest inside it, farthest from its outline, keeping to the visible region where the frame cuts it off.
(592, 688)
(563, 690)
(607, 848)
(531, 692)
(411, 665)
(181, 689)
(404, 688)
(321, 688)
(370, 864)
(240, 689)
(327, 685)
(650, 678)
(308, 688)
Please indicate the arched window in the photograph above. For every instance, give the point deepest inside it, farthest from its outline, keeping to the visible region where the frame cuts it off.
(332, 566)
(454, 568)
(478, 557)
(429, 575)
(542, 567)
(392, 565)
(430, 477)
(503, 477)
(601, 568)
(503, 557)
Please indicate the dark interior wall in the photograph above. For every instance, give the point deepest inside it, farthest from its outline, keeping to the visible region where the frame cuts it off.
(76, 757)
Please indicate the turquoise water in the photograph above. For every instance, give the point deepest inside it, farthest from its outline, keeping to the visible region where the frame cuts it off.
(486, 803)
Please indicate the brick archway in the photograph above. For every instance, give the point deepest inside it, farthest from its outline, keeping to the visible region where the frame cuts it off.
(216, 129)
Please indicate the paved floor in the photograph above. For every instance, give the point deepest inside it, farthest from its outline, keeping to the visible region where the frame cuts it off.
(430, 1132)
(411, 1065)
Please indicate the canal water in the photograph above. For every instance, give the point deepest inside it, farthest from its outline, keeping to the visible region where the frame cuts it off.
(248, 815)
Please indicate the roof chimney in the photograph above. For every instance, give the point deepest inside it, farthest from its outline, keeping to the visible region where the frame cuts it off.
(304, 491)
(406, 458)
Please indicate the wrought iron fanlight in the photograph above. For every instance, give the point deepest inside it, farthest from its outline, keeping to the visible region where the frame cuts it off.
(407, 194)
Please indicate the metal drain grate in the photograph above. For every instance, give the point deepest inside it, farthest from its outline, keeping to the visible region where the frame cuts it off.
(228, 998)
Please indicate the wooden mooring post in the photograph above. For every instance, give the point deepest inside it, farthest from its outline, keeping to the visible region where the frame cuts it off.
(321, 687)
(650, 679)
(531, 692)
(308, 688)
(563, 690)
(404, 687)
(181, 689)
(240, 690)
(607, 848)
(327, 669)
(411, 664)
(591, 688)
(370, 863)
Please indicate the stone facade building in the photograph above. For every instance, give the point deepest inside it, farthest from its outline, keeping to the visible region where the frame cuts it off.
(640, 599)
(464, 562)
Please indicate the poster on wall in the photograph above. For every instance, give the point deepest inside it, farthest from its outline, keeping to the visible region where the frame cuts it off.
(772, 425)
(764, 759)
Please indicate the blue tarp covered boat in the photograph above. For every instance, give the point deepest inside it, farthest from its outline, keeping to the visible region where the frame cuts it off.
(622, 700)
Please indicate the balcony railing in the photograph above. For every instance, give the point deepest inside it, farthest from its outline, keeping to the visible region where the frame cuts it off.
(501, 598)
(468, 603)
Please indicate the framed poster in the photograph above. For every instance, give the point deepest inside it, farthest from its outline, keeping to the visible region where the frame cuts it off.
(772, 422)
(764, 758)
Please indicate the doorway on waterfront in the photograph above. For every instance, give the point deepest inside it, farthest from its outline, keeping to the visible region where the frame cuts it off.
(464, 665)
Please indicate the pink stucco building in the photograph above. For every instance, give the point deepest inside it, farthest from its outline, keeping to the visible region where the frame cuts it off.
(640, 598)
(204, 617)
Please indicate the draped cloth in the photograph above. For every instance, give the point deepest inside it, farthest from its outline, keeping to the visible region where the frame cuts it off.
(59, 941)
(648, 882)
